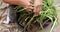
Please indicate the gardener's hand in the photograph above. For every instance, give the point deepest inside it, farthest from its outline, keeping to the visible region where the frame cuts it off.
(23, 3)
(37, 6)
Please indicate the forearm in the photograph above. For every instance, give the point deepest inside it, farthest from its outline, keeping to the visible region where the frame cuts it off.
(17, 2)
(13, 2)
(37, 2)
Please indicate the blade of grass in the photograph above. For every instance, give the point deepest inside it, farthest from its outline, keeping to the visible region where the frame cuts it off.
(29, 22)
(53, 24)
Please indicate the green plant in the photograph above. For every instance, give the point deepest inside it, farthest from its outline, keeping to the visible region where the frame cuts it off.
(48, 12)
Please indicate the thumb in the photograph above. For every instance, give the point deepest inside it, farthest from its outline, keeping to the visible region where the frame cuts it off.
(37, 9)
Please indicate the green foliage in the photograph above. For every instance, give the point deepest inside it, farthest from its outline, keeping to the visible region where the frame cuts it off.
(48, 11)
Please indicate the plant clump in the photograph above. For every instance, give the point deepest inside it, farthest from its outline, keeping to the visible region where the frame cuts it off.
(46, 16)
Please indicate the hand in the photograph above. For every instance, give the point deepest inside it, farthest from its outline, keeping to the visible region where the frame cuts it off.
(23, 3)
(37, 7)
